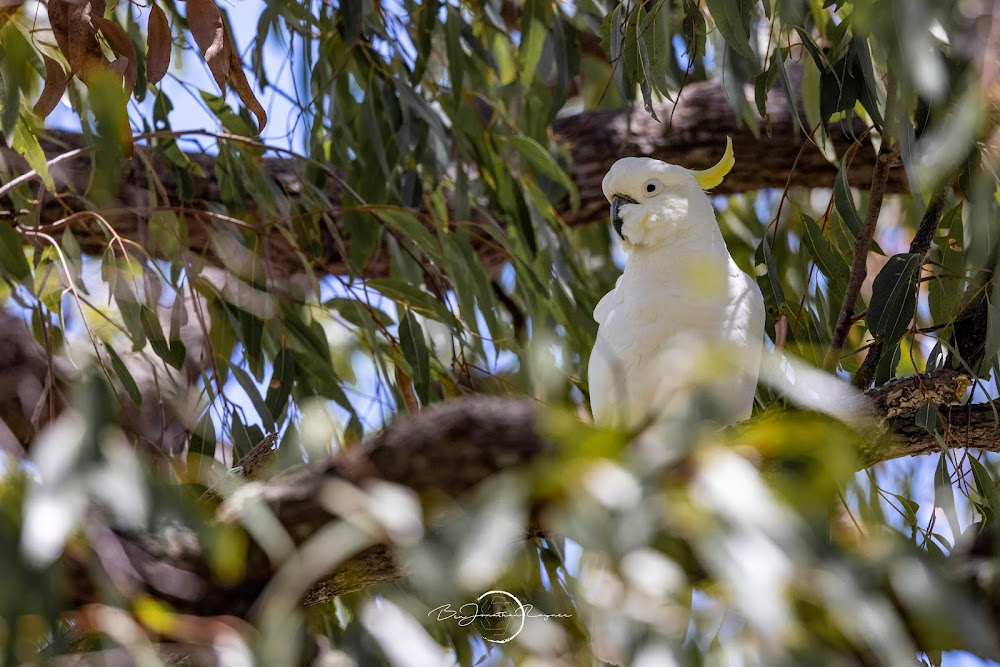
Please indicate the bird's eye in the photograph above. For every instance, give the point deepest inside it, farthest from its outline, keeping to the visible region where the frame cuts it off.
(652, 187)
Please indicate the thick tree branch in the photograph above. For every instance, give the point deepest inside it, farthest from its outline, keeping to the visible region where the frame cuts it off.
(442, 453)
(693, 134)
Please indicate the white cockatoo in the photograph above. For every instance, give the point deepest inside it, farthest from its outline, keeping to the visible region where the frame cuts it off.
(681, 298)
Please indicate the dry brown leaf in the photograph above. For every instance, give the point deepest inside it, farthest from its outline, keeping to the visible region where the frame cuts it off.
(118, 66)
(159, 43)
(55, 86)
(238, 78)
(122, 47)
(209, 34)
(76, 35)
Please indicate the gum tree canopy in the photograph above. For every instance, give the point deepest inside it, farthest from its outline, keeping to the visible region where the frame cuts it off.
(297, 316)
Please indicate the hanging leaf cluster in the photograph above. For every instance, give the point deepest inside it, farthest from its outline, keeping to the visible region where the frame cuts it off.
(83, 30)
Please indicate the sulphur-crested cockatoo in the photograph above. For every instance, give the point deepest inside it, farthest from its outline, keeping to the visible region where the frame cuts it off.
(680, 300)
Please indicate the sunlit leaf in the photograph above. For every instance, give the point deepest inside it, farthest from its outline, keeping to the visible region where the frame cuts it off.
(732, 18)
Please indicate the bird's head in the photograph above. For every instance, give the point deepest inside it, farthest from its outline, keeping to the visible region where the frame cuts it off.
(652, 201)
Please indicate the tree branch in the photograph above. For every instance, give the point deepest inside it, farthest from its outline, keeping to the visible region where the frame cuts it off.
(859, 267)
(694, 137)
(442, 453)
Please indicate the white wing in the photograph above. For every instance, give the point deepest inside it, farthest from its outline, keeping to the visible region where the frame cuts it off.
(607, 303)
(747, 332)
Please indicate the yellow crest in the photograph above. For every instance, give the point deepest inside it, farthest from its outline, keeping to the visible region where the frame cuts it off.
(711, 177)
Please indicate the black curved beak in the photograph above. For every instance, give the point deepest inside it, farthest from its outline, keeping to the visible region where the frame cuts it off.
(616, 220)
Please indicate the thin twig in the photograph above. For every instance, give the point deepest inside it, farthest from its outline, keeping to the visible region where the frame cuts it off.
(887, 155)
(928, 226)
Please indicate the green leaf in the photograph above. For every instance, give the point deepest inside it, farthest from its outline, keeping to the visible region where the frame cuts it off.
(154, 332)
(791, 91)
(318, 375)
(532, 40)
(992, 344)
(308, 334)
(763, 83)
(167, 234)
(412, 298)
(655, 34)
(910, 508)
(48, 286)
(456, 56)
(510, 196)
(829, 261)
(26, 143)
(894, 298)
(409, 226)
(128, 383)
(985, 485)
(839, 88)
(947, 290)
(282, 379)
(844, 201)
(252, 333)
(130, 310)
(245, 437)
(202, 442)
(927, 416)
(732, 18)
(411, 339)
(246, 382)
(616, 51)
(426, 21)
(230, 120)
(944, 495)
(178, 318)
(813, 48)
(358, 313)
(543, 163)
(69, 245)
(362, 234)
(868, 95)
(768, 279)
(12, 259)
(643, 74)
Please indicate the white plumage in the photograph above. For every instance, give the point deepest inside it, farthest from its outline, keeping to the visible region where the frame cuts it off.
(681, 299)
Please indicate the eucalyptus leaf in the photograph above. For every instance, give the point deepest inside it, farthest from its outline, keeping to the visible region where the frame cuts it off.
(411, 338)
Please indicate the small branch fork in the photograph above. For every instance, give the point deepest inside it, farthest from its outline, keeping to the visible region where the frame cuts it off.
(859, 268)
(920, 245)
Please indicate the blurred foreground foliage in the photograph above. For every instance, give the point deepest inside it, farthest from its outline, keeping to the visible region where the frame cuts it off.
(422, 135)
